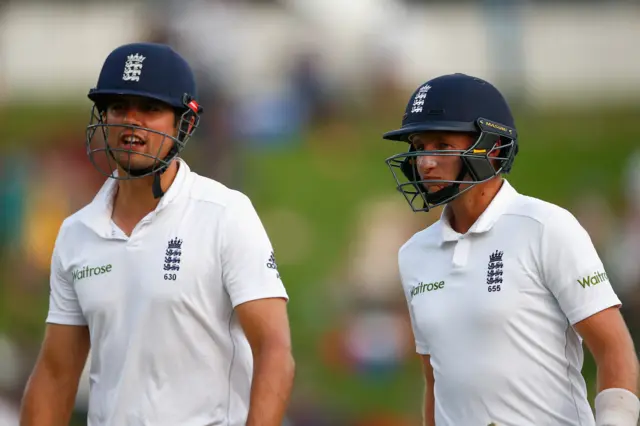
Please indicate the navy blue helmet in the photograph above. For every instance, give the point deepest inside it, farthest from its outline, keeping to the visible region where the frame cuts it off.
(462, 104)
(147, 70)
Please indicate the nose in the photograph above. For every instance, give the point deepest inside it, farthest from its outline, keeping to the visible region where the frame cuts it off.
(425, 164)
(131, 116)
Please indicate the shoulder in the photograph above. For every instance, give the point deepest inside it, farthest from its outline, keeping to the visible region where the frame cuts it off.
(74, 226)
(550, 217)
(428, 238)
(73, 236)
(216, 195)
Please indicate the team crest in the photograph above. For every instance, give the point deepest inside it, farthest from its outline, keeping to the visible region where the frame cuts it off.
(494, 270)
(133, 67)
(418, 101)
(172, 255)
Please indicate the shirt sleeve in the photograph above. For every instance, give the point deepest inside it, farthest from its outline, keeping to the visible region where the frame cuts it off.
(63, 300)
(422, 347)
(249, 266)
(572, 269)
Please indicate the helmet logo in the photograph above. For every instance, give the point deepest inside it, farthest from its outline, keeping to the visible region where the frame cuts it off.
(418, 101)
(133, 67)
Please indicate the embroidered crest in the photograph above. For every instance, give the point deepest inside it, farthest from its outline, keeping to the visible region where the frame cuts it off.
(172, 255)
(418, 101)
(494, 271)
(133, 67)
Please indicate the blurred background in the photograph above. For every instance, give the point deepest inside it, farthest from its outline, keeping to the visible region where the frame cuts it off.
(297, 94)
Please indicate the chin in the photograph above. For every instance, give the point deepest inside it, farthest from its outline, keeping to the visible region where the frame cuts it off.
(136, 162)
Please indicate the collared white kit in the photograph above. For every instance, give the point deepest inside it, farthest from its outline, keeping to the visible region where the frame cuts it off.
(495, 308)
(167, 348)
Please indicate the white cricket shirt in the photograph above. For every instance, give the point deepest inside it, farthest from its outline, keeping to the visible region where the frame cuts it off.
(495, 307)
(167, 349)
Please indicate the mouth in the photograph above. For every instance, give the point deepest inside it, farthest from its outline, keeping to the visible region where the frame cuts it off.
(433, 186)
(435, 179)
(131, 142)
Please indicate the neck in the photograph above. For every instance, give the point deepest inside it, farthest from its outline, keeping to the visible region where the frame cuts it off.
(134, 198)
(465, 210)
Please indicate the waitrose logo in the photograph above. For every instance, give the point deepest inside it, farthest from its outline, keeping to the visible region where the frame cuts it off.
(89, 271)
(594, 279)
(424, 287)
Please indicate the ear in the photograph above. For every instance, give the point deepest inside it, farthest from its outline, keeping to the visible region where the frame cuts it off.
(496, 147)
(192, 122)
(185, 127)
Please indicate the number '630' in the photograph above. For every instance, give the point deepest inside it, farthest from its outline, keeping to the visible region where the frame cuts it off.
(170, 277)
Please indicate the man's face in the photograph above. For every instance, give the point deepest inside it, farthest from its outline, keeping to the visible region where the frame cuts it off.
(135, 148)
(440, 167)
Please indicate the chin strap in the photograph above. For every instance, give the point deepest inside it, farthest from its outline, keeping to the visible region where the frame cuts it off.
(156, 187)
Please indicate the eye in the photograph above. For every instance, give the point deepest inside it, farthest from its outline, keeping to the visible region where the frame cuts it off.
(418, 145)
(117, 109)
(150, 107)
(444, 146)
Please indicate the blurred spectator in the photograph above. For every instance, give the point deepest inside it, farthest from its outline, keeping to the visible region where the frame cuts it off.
(13, 191)
(12, 377)
(9, 412)
(507, 52)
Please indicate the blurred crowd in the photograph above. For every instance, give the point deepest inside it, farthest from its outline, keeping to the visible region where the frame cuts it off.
(370, 337)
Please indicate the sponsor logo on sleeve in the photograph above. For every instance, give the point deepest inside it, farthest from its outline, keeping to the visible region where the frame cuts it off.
(593, 279)
(90, 271)
(426, 287)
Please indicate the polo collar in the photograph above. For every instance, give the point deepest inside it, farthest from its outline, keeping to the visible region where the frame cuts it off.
(101, 207)
(506, 194)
